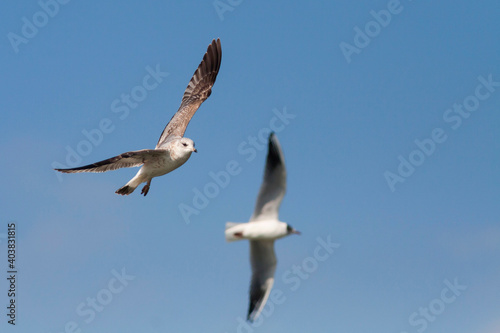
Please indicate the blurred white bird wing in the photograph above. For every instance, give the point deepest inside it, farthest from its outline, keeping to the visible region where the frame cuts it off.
(273, 186)
(263, 261)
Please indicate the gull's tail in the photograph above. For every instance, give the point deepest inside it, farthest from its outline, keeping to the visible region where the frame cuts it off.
(125, 190)
(131, 185)
(234, 231)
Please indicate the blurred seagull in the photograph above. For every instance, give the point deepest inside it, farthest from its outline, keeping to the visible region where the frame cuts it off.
(264, 228)
(172, 149)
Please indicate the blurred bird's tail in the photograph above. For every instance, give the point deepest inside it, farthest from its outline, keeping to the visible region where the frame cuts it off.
(234, 231)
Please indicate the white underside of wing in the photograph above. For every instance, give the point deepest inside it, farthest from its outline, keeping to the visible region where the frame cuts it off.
(273, 186)
(263, 262)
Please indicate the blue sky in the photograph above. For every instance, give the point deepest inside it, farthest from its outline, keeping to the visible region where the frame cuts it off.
(391, 143)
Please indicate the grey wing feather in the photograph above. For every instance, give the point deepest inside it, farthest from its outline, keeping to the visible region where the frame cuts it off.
(125, 160)
(273, 186)
(197, 91)
(263, 262)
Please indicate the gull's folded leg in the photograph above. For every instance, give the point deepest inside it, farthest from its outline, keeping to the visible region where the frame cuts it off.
(145, 189)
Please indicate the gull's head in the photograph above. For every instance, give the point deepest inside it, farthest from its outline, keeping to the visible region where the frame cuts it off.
(290, 230)
(186, 146)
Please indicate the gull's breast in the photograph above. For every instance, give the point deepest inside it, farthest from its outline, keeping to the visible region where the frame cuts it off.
(161, 165)
(263, 230)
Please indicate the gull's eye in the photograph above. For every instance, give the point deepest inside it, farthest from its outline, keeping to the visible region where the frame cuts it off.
(184, 144)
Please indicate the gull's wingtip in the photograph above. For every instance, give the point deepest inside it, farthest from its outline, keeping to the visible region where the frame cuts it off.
(215, 43)
(273, 144)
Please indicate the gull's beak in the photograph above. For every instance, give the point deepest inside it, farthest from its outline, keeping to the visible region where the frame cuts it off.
(194, 149)
(296, 232)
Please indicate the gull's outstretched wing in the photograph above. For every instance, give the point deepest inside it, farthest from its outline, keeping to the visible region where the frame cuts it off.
(263, 262)
(273, 186)
(197, 91)
(125, 160)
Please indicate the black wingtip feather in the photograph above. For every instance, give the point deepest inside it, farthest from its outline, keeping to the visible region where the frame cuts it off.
(256, 297)
(273, 155)
(82, 168)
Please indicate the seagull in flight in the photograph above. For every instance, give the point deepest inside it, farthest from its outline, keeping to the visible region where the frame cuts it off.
(172, 149)
(264, 228)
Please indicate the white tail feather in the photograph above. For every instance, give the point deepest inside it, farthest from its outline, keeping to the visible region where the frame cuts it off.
(231, 229)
